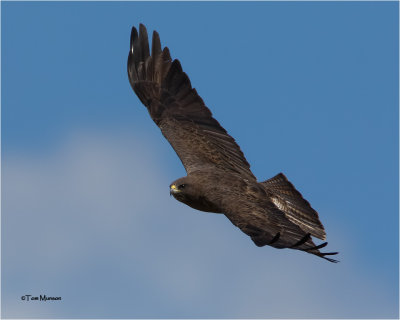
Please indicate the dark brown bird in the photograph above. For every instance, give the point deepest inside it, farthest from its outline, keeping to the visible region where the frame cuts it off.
(218, 177)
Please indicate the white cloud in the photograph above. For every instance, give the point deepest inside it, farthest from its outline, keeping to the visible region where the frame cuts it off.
(92, 221)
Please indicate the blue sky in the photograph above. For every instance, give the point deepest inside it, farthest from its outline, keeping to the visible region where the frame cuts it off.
(309, 89)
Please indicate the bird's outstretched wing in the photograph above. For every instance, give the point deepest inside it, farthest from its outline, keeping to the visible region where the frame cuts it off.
(161, 85)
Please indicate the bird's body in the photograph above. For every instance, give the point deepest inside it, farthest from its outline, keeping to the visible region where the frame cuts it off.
(218, 178)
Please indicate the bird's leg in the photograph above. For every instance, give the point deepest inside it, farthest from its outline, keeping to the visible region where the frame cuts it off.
(275, 239)
(302, 241)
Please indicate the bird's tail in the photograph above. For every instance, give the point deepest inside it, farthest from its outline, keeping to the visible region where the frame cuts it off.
(299, 212)
(297, 209)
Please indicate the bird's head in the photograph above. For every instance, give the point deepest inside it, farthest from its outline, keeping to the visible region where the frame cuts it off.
(182, 189)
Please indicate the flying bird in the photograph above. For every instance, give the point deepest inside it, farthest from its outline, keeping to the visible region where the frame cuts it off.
(218, 178)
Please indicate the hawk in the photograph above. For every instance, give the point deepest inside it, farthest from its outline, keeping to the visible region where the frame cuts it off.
(218, 178)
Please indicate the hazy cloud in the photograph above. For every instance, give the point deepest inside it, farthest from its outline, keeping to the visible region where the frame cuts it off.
(92, 221)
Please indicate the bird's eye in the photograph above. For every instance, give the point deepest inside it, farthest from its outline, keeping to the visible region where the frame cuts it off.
(181, 186)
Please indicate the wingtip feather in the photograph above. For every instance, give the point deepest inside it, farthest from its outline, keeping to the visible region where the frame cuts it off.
(166, 54)
(142, 29)
(176, 66)
(144, 42)
(134, 36)
(156, 44)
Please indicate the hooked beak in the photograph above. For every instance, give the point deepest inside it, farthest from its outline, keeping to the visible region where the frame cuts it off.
(173, 189)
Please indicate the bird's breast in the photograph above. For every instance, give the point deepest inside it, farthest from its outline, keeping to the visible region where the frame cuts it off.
(199, 203)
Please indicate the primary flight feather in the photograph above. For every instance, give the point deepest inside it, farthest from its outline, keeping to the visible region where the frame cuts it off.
(218, 178)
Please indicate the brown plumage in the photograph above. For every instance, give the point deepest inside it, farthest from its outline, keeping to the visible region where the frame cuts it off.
(218, 177)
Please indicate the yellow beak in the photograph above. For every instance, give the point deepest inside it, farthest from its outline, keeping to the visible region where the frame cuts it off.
(173, 189)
